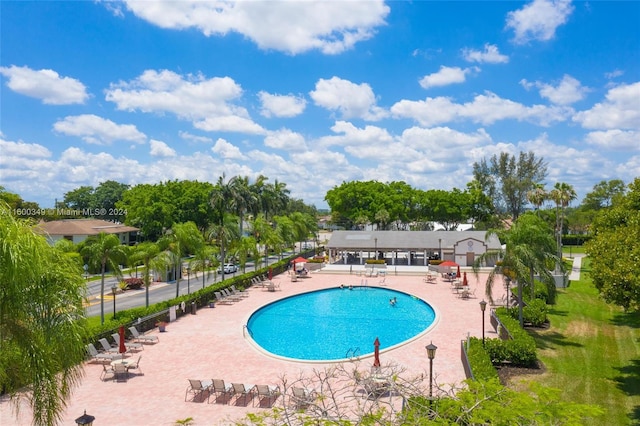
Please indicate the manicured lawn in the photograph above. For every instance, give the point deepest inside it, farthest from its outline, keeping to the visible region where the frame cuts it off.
(592, 352)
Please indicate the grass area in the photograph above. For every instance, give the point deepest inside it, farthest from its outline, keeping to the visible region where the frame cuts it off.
(592, 352)
(571, 250)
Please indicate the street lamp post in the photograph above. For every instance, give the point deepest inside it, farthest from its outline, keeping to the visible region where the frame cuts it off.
(375, 252)
(483, 306)
(114, 289)
(507, 281)
(85, 419)
(188, 279)
(431, 354)
(440, 248)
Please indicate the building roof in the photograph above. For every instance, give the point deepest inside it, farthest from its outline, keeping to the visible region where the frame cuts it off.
(406, 240)
(83, 227)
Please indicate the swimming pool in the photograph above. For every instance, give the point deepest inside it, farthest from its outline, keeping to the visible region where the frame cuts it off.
(333, 324)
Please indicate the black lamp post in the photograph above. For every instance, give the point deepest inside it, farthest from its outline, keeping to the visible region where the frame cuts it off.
(483, 306)
(188, 279)
(507, 281)
(431, 353)
(85, 419)
(114, 289)
(375, 240)
(440, 248)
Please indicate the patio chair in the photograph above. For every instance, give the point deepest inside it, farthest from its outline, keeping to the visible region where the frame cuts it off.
(107, 373)
(302, 398)
(142, 338)
(135, 365)
(107, 347)
(220, 389)
(130, 346)
(121, 373)
(99, 356)
(267, 395)
(239, 293)
(228, 295)
(221, 300)
(197, 388)
(244, 392)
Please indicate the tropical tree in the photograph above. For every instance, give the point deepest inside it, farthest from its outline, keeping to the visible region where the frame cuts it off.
(42, 326)
(529, 249)
(181, 239)
(144, 253)
(562, 194)
(247, 247)
(507, 180)
(223, 235)
(105, 251)
(614, 250)
(203, 258)
(243, 198)
(537, 195)
(603, 194)
(265, 235)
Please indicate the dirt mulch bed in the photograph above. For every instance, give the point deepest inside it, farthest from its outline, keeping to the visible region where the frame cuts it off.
(507, 373)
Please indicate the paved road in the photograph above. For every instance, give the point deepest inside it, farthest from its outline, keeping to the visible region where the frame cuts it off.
(158, 291)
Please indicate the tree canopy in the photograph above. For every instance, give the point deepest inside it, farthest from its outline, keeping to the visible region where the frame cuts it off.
(615, 250)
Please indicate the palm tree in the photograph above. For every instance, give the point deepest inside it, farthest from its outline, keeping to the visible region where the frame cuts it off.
(223, 234)
(144, 253)
(105, 251)
(203, 257)
(529, 249)
(42, 326)
(562, 194)
(247, 247)
(537, 195)
(243, 198)
(181, 238)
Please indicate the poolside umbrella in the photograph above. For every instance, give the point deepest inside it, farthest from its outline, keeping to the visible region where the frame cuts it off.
(449, 263)
(270, 273)
(121, 348)
(376, 353)
(458, 272)
(298, 259)
(464, 279)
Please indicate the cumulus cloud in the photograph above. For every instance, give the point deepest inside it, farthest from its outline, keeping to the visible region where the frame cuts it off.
(22, 149)
(287, 26)
(160, 149)
(46, 85)
(285, 139)
(350, 99)
(446, 76)
(490, 55)
(208, 102)
(281, 105)
(97, 130)
(615, 139)
(619, 110)
(226, 150)
(538, 20)
(568, 90)
(350, 135)
(194, 138)
(487, 108)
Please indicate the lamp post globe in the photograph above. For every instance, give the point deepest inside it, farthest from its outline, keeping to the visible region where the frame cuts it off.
(431, 354)
(85, 419)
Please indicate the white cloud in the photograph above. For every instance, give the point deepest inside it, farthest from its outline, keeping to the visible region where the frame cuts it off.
(615, 139)
(46, 85)
(620, 110)
(194, 138)
(226, 150)
(288, 26)
(538, 20)
(348, 135)
(285, 139)
(22, 149)
(206, 102)
(97, 130)
(160, 149)
(490, 55)
(568, 90)
(350, 99)
(281, 105)
(487, 109)
(446, 76)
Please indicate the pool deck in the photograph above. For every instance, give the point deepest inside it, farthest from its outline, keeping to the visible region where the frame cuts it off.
(211, 344)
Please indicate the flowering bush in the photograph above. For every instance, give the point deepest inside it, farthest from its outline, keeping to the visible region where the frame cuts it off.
(133, 283)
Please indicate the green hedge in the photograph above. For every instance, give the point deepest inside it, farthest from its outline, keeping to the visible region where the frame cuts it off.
(480, 361)
(534, 313)
(519, 351)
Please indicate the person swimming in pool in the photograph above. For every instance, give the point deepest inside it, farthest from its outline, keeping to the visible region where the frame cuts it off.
(393, 301)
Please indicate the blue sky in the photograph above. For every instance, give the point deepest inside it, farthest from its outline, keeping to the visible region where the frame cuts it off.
(314, 93)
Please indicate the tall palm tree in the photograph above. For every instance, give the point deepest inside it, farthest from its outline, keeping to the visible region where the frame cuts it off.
(537, 195)
(202, 259)
(42, 326)
(243, 198)
(562, 194)
(181, 239)
(105, 251)
(144, 253)
(529, 249)
(223, 234)
(247, 247)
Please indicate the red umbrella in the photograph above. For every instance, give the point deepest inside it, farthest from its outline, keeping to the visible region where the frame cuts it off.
(270, 273)
(376, 353)
(458, 272)
(464, 279)
(449, 263)
(121, 348)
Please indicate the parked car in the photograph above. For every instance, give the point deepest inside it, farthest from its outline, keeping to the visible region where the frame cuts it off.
(229, 268)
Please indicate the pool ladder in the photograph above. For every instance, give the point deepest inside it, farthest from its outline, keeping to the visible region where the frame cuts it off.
(353, 353)
(246, 330)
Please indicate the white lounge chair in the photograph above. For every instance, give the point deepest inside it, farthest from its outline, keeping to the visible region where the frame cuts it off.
(244, 391)
(129, 346)
(239, 293)
(221, 300)
(100, 356)
(107, 373)
(267, 395)
(197, 388)
(143, 338)
(302, 398)
(107, 347)
(220, 389)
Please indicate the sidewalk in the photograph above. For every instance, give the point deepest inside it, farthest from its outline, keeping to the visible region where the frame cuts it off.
(575, 269)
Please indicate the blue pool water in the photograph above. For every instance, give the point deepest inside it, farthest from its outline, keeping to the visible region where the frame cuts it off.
(331, 324)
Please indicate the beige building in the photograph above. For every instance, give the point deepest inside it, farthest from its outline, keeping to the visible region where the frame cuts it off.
(78, 230)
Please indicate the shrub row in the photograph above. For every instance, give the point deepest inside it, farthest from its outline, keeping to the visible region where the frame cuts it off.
(519, 351)
(534, 313)
(480, 361)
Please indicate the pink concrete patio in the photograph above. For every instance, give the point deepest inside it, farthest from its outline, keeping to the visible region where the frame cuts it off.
(211, 345)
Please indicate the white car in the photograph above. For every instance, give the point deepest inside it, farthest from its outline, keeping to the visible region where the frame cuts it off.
(229, 268)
